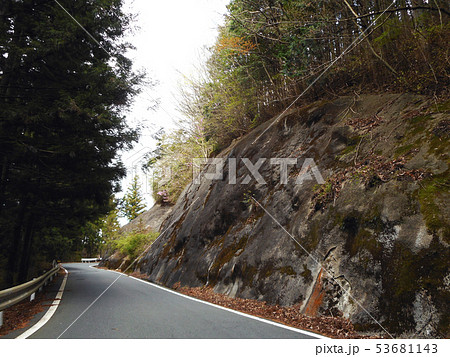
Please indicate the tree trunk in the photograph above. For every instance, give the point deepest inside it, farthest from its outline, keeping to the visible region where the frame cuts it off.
(15, 248)
(3, 178)
(26, 254)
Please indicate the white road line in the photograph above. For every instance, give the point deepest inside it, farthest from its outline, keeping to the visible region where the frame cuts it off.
(308, 333)
(85, 310)
(48, 315)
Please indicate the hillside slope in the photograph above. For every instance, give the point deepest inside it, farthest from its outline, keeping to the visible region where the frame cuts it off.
(147, 222)
(377, 229)
(150, 220)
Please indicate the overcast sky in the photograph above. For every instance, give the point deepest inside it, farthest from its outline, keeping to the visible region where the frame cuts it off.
(168, 45)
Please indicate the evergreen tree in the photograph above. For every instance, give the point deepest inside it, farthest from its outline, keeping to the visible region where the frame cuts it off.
(92, 240)
(111, 226)
(61, 123)
(132, 204)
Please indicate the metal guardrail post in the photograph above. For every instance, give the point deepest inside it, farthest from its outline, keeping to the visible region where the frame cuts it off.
(14, 295)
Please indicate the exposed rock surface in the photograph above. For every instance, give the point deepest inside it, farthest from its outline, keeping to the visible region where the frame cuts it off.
(374, 238)
(114, 260)
(150, 220)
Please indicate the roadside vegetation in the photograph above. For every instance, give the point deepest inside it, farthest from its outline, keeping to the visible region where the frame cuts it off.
(132, 244)
(268, 53)
(112, 238)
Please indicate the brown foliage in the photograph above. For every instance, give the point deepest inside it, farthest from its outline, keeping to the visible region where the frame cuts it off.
(335, 327)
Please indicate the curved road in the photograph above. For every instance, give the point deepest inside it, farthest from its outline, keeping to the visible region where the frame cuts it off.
(133, 308)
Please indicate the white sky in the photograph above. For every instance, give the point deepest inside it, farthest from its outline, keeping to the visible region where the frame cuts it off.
(168, 45)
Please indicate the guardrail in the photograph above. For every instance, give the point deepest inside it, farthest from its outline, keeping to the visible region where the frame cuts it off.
(16, 294)
(90, 260)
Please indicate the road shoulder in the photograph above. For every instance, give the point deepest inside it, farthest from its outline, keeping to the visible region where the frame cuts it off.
(43, 302)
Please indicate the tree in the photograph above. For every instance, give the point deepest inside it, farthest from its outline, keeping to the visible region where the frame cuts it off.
(110, 227)
(132, 203)
(171, 163)
(62, 124)
(270, 53)
(92, 239)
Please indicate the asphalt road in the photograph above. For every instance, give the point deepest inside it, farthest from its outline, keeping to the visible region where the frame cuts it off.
(132, 308)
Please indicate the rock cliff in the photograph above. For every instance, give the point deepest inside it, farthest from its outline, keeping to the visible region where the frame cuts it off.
(150, 220)
(371, 243)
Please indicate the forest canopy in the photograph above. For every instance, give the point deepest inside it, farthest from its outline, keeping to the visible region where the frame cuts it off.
(271, 54)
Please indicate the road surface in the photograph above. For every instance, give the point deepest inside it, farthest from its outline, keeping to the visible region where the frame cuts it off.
(133, 308)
